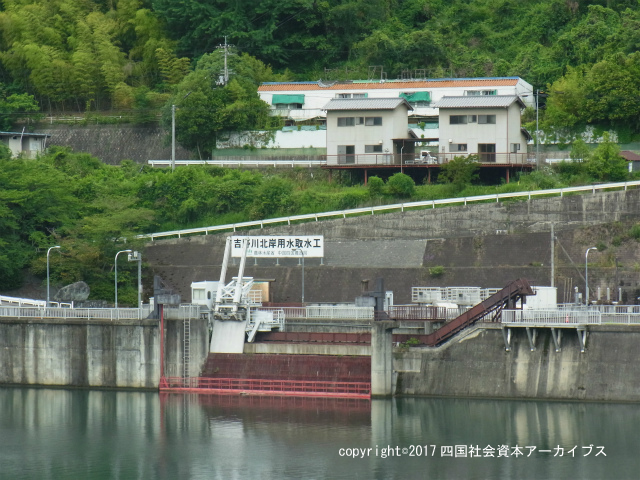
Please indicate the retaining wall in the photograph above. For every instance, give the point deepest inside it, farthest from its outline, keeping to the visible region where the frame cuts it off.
(476, 364)
(485, 245)
(95, 353)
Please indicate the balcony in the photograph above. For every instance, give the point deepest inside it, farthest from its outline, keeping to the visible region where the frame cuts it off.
(414, 159)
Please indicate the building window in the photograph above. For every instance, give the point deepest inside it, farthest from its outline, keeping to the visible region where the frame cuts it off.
(458, 147)
(472, 118)
(346, 154)
(288, 106)
(487, 152)
(198, 294)
(373, 148)
(476, 93)
(487, 119)
(346, 121)
(351, 95)
(457, 119)
(515, 147)
(359, 120)
(373, 121)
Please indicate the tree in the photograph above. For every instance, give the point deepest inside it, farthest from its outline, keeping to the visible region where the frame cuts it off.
(580, 151)
(16, 107)
(461, 171)
(205, 109)
(605, 163)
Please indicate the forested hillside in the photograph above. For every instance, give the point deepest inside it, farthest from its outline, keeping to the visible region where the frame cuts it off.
(132, 55)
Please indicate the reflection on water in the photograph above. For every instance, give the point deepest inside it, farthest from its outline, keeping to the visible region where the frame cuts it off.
(62, 434)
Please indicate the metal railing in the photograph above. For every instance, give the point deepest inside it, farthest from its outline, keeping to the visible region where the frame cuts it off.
(171, 313)
(245, 163)
(268, 386)
(389, 208)
(324, 312)
(551, 318)
(410, 159)
(609, 315)
(75, 313)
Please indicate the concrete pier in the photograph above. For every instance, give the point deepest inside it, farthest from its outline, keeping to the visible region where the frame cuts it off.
(382, 358)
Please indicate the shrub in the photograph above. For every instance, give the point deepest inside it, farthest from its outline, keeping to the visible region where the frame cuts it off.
(436, 271)
(375, 186)
(401, 185)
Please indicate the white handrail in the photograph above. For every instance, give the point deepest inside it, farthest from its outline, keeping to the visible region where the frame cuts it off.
(381, 208)
(222, 163)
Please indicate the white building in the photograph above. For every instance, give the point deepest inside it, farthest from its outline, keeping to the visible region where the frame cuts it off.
(488, 126)
(366, 130)
(30, 145)
(300, 101)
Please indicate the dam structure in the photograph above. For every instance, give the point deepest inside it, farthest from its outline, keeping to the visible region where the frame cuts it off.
(333, 326)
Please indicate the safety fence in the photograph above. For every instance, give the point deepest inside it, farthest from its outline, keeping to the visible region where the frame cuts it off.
(301, 388)
(324, 312)
(170, 313)
(565, 317)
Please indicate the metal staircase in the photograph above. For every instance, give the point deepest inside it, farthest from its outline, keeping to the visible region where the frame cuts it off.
(505, 298)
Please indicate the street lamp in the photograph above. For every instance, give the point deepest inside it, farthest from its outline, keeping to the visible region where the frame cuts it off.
(301, 253)
(49, 251)
(137, 257)
(116, 270)
(586, 275)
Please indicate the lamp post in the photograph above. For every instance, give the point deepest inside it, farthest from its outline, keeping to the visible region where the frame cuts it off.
(116, 271)
(48, 252)
(301, 253)
(537, 128)
(586, 274)
(137, 257)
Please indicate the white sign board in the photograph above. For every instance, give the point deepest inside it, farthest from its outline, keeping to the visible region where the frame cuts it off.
(278, 246)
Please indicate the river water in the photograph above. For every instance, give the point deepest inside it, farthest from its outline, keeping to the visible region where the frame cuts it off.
(83, 434)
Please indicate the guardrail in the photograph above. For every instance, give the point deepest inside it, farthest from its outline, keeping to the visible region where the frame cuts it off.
(388, 208)
(230, 163)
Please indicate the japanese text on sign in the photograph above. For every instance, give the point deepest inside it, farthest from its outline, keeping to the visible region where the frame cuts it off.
(309, 246)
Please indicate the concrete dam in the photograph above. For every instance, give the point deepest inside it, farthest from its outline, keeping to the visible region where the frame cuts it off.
(481, 245)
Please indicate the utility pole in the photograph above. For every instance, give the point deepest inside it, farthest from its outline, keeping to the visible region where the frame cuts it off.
(224, 78)
(173, 137)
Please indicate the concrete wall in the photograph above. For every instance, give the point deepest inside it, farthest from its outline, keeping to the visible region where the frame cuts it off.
(94, 353)
(114, 143)
(484, 245)
(475, 364)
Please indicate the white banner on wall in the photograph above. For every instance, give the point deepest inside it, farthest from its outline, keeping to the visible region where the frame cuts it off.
(279, 246)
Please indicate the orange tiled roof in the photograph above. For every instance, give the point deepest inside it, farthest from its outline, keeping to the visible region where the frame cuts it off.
(468, 82)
